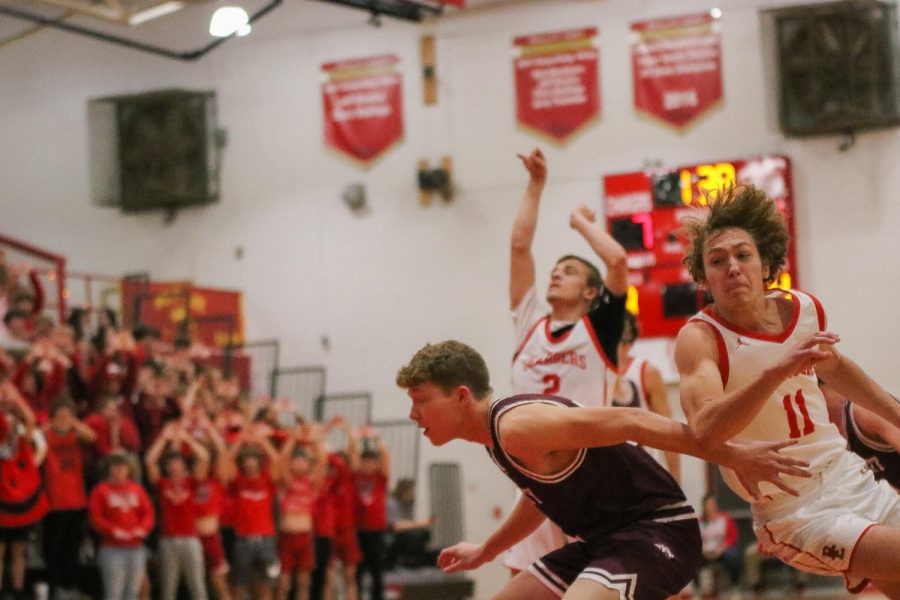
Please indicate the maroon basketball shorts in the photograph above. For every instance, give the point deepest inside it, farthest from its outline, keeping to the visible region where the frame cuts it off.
(647, 560)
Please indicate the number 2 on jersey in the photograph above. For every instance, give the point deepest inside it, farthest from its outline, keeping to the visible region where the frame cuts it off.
(552, 382)
(800, 401)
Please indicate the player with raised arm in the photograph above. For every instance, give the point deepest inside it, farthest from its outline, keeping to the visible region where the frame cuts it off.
(636, 536)
(749, 364)
(566, 346)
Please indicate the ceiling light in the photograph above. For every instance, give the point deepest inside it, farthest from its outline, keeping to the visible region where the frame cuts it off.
(154, 12)
(229, 20)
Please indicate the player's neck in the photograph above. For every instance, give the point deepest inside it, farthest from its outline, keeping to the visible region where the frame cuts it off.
(476, 426)
(566, 312)
(754, 315)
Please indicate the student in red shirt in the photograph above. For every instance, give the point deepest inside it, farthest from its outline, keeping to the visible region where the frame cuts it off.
(301, 473)
(66, 524)
(209, 498)
(22, 499)
(371, 482)
(255, 558)
(345, 547)
(121, 513)
(180, 552)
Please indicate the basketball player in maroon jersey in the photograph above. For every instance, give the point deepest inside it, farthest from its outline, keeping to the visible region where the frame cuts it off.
(636, 536)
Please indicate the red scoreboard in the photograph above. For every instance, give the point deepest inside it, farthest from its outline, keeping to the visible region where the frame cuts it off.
(645, 211)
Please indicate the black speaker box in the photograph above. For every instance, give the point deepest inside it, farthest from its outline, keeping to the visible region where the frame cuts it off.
(838, 66)
(156, 150)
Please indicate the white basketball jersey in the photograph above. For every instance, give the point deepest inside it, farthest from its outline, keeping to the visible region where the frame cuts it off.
(573, 365)
(797, 410)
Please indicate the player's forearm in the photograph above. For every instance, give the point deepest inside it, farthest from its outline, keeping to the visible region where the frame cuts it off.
(847, 378)
(526, 219)
(524, 519)
(720, 419)
(673, 462)
(610, 252)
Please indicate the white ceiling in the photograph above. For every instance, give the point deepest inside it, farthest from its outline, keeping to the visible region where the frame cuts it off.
(187, 28)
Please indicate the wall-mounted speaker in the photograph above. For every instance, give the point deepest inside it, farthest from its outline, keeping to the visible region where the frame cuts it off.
(155, 150)
(838, 66)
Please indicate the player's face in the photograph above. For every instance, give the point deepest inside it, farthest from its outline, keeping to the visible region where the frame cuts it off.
(568, 281)
(435, 411)
(733, 270)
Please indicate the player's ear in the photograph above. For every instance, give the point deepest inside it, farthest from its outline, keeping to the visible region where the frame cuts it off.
(463, 393)
(590, 293)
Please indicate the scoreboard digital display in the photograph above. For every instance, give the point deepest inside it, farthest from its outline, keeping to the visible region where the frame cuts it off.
(645, 211)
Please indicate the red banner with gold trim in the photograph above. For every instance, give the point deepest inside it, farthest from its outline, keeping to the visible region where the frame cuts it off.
(213, 315)
(557, 82)
(363, 106)
(677, 67)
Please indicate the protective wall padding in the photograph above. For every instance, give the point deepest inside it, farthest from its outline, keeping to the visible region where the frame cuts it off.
(445, 484)
(402, 439)
(304, 386)
(355, 407)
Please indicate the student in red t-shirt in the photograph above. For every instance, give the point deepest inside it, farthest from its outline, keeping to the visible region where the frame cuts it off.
(180, 552)
(255, 558)
(66, 524)
(345, 547)
(22, 499)
(371, 480)
(301, 472)
(209, 498)
(121, 513)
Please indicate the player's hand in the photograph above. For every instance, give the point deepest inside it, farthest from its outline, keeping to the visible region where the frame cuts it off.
(582, 212)
(536, 165)
(757, 462)
(807, 353)
(462, 557)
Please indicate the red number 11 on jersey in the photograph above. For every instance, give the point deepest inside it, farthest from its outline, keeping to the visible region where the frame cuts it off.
(800, 401)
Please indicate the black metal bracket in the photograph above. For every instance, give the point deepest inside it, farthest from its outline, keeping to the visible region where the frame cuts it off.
(103, 36)
(408, 10)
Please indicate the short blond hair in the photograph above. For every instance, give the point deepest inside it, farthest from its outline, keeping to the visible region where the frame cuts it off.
(447, 365)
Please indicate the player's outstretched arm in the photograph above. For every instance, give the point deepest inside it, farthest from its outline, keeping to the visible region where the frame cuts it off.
(531, 432)
(584, 221)
(848, 379)
(464, 556)
(717, 416)
(521, 266)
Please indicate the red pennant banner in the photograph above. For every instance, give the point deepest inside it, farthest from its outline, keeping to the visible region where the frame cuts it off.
(363, 106)
(557, 82)
(677, 67)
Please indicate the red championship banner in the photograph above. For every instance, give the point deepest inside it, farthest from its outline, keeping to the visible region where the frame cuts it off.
(363, 104)
(557, 82)
(213, 316)
(677, 67)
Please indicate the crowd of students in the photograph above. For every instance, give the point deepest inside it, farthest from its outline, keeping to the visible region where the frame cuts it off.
(119, 451)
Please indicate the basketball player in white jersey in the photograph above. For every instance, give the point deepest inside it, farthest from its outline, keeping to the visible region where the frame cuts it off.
(748, 366)
(569, 347)
(640, 385)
